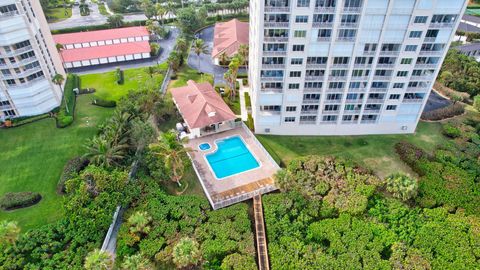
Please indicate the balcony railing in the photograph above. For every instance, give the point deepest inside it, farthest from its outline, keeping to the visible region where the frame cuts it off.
(271, 79)
(273, 66)
(316, 65)
(276, 39)
(426, 65)
(331, 112)
(276, 24)
(274, 53)
(337, 78)
(335, 89)
(339, 65)
(309, 112)
(27, 84)
(441, 24)
(277, 9)
(352, 9)
(360, 78)
(431, 52)
(324, 39)
(429, 39)
(271, 90)
(349, 24)
(270, 112)
(417, 89)
(375, 100)
(413, 100)
(21, 63)
(393, 53)
(19, 51)
(382, 77)
(324, 9)
(310, 89)
(354, 101)
(371, 111)
(346, 39)
(385, 65)
(352, 111)
(307, 122)
(311, 101)
(349, 122)
(382, 89)
(362, 65)
(6, 15)
(322, 24)
(369, 53)
(422, 77)
(368, 121)
(333, 101)
(314, 78)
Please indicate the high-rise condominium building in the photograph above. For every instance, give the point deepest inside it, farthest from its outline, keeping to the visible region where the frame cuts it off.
(28, 60)
(346, 67)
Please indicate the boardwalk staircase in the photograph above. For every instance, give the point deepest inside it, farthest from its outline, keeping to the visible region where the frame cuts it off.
(261, 236)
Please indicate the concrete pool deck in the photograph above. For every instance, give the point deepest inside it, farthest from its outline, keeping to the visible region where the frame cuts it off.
(239, 187)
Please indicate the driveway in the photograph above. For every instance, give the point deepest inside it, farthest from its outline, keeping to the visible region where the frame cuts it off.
(95, 18)
(206, 61)
(166, 46)
(435, 101)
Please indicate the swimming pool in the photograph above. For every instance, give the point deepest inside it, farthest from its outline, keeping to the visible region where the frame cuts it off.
(232, 157)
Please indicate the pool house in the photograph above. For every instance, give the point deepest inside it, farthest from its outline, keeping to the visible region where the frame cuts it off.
(230, 163)
(203, 109)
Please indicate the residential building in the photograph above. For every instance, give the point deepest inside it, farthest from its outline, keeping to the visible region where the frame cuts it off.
(472, 50)
(227, 38)
(346, 67)
(28, 61)
(104, 46)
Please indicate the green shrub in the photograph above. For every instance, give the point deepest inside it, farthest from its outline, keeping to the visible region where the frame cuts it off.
(250, 123)
(412, 155)
(15, 200)
(73, 166)
(450, 131)
(64, 120)
(242, 75)
(119, 77)
(402, 187)
(104, 103)
(245, 81)
(476, 102)
(173, 76)
(444, 113)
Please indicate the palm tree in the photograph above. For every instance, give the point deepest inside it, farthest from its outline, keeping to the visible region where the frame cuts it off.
(174, 61)
(115, 20)
(243, 53)
(58, 80)
(223, 58)
(9, 232)
(150, 70)
(182, 45)
(186, 253)
(98, 260)
(138, 222)
(103, 152)
(136, 262)
(161, 12)
(231, 75)
(199, 47)
(173, 155)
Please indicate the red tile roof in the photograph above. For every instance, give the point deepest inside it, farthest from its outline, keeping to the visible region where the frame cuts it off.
(89, 36)
(228, 37)
(200, 105)
(72, 55)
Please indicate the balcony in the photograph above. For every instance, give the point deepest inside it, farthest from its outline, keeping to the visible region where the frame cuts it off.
(307, 122)
(324, 9)
(360, 78)
(386, 65)
(5, 107)
(426, 65)
(271, 79)
(322, 24)
(271, 90)
(335, 90)
(273, 66)
(382, 89)
(390, 53)
(19, 51)
(276, 9)
(412, 100)
(367, 111)
(429, 39)
(442, 24)
(355, 101)
(352, 9)
(417, 89)
(375, 100)
(431, 52)
(362, 65)
(337, 78)
(274, 53)
(331, 112)
(330, 101)
(382, 77)
(276, 24)
(267, 113)
(23, 62)
(349, 24)
(312, 65)
(324, 39)
(346, 39)
(422, 77)
(309, 112)
(352, 111)
(368, 121)
(339, 65)
(311, 101)
(275, 39)
(310, 89)
(314, 78)
(369, 53)
(9, 14)
(346, 122)
(27, 84)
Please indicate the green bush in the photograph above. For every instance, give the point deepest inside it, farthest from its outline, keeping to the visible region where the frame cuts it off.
(250, 123)
(445, 112)
(476, 102)
(64, 120)
(242, 75)
(104, 103)
(450, 131)
(173, 76)
(64, 117)
(119, 77)
(73, 166)
(15, 200)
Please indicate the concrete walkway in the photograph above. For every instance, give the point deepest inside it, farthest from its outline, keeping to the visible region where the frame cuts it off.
(243, 103)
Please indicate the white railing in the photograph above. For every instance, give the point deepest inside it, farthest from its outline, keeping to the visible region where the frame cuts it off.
(275, 39)
(314, 78)
(277, 9)
(276, 24)
(322, 24)
(324, 9)
(316, 65)
(307, 122)
(274, 53)
(273, 65)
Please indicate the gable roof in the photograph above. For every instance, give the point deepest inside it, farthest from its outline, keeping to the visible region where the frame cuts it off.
(200, 105)
(228, 37)
(99, 35)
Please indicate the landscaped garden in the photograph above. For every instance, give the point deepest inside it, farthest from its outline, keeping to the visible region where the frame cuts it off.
(58, 14)
(33, 156)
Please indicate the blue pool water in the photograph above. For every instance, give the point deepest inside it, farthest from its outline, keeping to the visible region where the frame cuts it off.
(204, 146)
(231, 157)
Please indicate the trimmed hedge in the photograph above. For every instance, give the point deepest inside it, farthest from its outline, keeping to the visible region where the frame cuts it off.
(15, 200)
(73, 166)
(103, 102)
(64, 118)
(412, 155)
(445, 112)
(119, 76)
(451, 131)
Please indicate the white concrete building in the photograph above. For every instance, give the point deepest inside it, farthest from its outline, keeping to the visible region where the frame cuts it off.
(346, 67)
(28, 61)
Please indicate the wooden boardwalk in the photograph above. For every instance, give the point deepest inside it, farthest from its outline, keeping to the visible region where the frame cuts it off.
(261, 236)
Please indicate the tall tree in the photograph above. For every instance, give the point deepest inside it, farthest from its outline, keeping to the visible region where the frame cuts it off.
(58, 79)
(186, 253)
(199, 47)
(115, 20)
(136, 262)
(98, 260)
(174, 60)
(231, 76)
(223, 58)
(243, 53)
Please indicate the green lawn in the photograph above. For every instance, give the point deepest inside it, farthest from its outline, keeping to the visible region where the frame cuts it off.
(373, 151)
(58, 14)
(33, 157)
(106, 85)
(186, 73)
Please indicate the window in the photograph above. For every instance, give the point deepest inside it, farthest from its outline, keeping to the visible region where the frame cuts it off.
(289, 119)
(296, 61)
(420, 19)
(340, 60)
(444, 18)
(311, 97)
(295, 74)
(353, 3)
(294, 86)
(402, 73)
(301, 19)
(309, 108)
(398, 85)
(395, 96)
(334, 96)
(325, 3)
(298, 48)
(300, 33)
(406, 61)
(317, 60)
(331, 107)
(347, 34)
(271, 73)
(313, 85)
(291, 108)
(274, 47)
(336, 85)
(391, 107)
(329, 118)
(350, 118)
(415, 34)
(411, 48)
(324, 33)
(349, 107)
(308, 118)
(273, 60)
(303, 3)
(271, 108)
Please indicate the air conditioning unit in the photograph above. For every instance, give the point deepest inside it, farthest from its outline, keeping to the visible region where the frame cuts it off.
(267, 130)
(404, 127)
